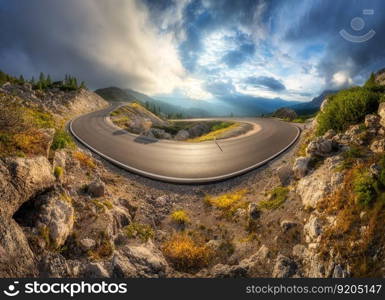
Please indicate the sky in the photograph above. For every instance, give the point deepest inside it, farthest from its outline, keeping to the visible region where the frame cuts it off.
(196, 49)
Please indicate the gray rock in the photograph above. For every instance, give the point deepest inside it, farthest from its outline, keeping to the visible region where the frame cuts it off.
(95, 270)
(319, 147)
(320, 183)
(339, 272)
(54, 265)
(87, 244)
(381, 113)
(122, 267)
(324, 104)
(301, 166)
(182, 135)
(329, 134)
(378, 146)
(227, 271)
(56, 219)
(284, 174)
(313, 228)
(284, 267)
(198, 130)
(96, 189)
(372, 121)
(253, 212)
(375, 169)
(286, 225)
(148, 260)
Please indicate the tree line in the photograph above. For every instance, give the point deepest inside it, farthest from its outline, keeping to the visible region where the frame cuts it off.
(44, 82)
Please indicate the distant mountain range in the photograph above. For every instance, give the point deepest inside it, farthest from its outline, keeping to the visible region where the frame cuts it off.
(313, 105)
(237, 105)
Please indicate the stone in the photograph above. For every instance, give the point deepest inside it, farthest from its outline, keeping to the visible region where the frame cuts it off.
(253, 212)
(329, 134)
(122, 267)
(375, 170)
(56, 218)
(148, 260)
(286, 225)
(95, 270)
(381, 113)
(227, 271)
(323, 104)
(60, 159)
(96, 189)
(214, 244)
(319, 147)
(301, 167)
(339, 272)
(372, 121)
(182, 135)
(284, 267)
(284, 174)
(198, 130)
(378, 146)
(87, 244)
(322, 182)
(313, 228)
(54, 265)
(22, 179)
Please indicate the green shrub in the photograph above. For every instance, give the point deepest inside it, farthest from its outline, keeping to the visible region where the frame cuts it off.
(61, 140)
(142, 231)
(346, 108)
(221, 125)
(277, 197)
(58, 172)
(365, 188)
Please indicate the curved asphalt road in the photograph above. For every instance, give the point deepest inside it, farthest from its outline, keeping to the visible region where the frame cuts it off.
(183, 162)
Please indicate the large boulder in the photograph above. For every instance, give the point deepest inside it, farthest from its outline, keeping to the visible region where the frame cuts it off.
(96, 188)
(320, 147)
(198, 130)
(160, 134)
(16, 258)
(182, 135)
(146, 258)
(378, 146)
(284, 267)
(372, 121)
(324, 181)
(56, 218)
(301, 167)
(21, 179)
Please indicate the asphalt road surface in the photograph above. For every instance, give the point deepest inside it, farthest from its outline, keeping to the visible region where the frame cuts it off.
(184, 162)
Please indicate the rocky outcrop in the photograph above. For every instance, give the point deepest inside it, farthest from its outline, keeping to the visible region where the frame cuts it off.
(21, 179)
(284, 267)
(378, 146)
(321, 183)
(381, 113)
(320, 147)
(56, 218)
(182, 135)
(301, 167)
(96, 188)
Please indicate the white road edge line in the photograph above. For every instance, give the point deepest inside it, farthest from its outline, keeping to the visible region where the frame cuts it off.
(177, 179)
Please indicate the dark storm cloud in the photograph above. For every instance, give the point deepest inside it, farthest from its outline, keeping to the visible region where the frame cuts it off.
(104, 43)
(323, 20)
(266, 82)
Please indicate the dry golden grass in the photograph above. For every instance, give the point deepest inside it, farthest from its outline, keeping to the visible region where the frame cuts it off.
(180, 217)
(213, 134)
(228, 203)
(84, 159)
(185, 253)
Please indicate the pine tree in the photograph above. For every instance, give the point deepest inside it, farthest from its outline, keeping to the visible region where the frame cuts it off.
(371, 83)
(21, 79)
(48, 81)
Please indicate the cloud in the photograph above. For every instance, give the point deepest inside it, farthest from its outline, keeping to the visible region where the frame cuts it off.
(266, 82)
(102, 42)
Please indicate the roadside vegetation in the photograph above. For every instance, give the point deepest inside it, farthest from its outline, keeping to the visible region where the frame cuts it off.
(223, 127)
(350, 107)
(276, 198)
(228, 203)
